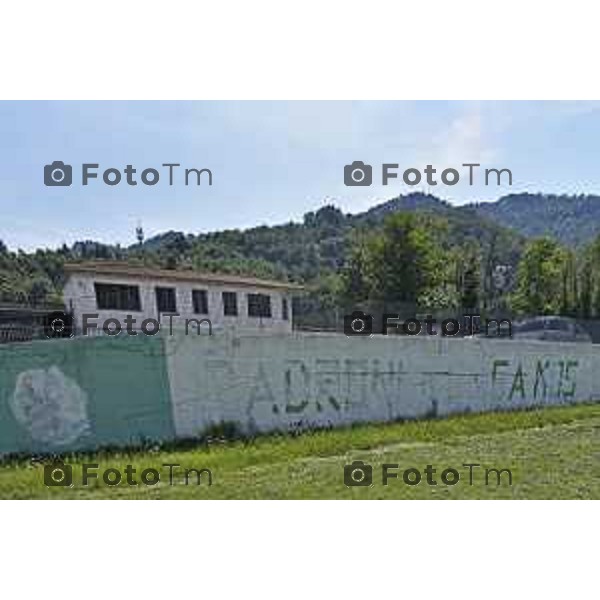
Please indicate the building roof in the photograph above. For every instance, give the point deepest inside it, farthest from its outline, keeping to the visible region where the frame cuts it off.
(123, 269)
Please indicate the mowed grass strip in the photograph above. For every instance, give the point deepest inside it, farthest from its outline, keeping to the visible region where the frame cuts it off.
(552, 453)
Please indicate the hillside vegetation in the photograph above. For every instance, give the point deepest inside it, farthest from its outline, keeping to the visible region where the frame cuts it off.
(329, 251)
(571, 220)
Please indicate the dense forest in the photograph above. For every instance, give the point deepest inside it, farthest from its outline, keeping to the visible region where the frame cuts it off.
(528, 254)
(571, 220)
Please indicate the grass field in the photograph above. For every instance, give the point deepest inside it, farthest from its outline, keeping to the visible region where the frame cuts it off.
(551, 453)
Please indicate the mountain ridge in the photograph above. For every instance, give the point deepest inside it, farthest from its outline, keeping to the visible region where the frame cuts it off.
(570, 219)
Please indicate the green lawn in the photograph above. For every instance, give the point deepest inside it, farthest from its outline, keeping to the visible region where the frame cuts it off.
(551, 453)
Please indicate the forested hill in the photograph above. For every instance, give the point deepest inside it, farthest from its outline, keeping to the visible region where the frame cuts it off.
(319, 245)
(571, 220)
(305, 250)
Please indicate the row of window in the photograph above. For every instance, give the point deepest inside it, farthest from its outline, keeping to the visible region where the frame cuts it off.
(111, 296)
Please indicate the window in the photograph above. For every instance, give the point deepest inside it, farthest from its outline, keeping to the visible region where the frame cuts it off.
(259, 305)
(112, 296)
(230, 308)
(165, 300)
(200, 302)
(285, 311)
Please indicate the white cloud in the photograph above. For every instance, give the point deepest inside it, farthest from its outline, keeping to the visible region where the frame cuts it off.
(464, 140)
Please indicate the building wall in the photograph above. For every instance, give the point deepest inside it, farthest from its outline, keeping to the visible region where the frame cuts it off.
(79, 294)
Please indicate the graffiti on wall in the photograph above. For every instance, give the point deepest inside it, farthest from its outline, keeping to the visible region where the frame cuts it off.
(535, 380)
(293, 382)
(80, 394)
(50, 406)
(297, 388)
(336, 382)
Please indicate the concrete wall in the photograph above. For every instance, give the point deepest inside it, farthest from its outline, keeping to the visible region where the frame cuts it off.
(306, 380)
(64, 395)
(79, 293)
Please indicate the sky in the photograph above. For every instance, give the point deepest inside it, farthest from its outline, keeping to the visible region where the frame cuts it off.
(271, 161)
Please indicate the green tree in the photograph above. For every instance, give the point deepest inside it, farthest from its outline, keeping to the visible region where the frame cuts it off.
(401, 263)
(541, 288)
(589, 280)
(468, 270)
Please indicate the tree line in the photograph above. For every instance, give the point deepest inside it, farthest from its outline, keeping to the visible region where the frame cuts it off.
(411, 260)
(422, 259)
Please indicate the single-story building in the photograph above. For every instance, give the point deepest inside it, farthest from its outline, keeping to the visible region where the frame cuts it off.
(114, 290)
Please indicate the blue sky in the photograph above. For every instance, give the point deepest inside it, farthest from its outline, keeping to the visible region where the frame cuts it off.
(271, 161)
